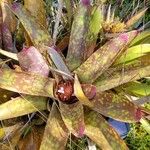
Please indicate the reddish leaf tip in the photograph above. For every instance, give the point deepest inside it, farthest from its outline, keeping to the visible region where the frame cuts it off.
(85, 2)
(138, 114)
(81, 131)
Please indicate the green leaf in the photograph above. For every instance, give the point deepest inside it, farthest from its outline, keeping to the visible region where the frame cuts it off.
(73, 117)
(133, 53)
(21, 106)
(112, 79)
(26, 83)
(142, 38)
(137, 88)
(38, 34)
(145, 125)
(102, 133)
(94, 28)
(103, 58)
(56, 134)
(116, 106)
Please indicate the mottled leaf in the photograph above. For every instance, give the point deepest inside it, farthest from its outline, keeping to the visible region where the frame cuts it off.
(79, 93)
(102, 133)
(37, 33)
(38, 12)
(99, 61)
(8, 26)
(89, 90)
(21, 106)
(110, 79)
(8, 18)
(73, 118)
(94, 28)
(77, 44)
(26, 83)
(116, 106)
(7, 39)
(56, 134)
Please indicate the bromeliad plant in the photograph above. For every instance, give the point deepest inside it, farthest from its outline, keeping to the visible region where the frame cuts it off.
(81, 78)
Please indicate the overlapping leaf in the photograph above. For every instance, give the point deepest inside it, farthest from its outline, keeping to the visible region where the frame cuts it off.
(26, 83)
(99, 61)
(112, 79)
(56, 134)
(31, 60)
(137, 88)
(135, 18)
(73, 118)
(102, 133)
(21, 106)
(38, 12)
(133, 53)
(116, 106)
(77, 44)
(142, 38)
(37, 33)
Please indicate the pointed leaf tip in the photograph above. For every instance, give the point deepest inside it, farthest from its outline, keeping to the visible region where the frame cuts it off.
(78, 92)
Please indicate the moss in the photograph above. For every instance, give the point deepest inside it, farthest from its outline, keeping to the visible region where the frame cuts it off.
(138, 138)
